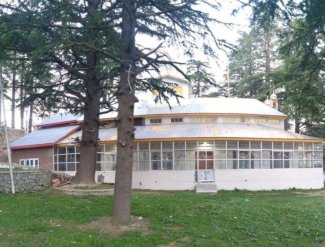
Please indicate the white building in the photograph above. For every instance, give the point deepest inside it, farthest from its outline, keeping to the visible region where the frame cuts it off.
(225, 142)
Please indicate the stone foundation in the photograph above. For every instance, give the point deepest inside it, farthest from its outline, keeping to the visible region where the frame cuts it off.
(25, 181)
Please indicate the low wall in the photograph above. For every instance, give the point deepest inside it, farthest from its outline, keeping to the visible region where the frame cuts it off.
(25, 181)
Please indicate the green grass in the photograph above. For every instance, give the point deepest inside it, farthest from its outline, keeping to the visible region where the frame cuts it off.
(237, 218)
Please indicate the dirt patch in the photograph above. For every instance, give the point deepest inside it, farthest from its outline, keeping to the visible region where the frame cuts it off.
(104, 225)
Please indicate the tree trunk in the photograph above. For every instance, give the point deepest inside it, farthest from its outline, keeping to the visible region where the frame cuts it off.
(30, 119)
(13, 98)
(89, 140)
(90, 126)
(125, 126)
(297, 126)
(21, 98)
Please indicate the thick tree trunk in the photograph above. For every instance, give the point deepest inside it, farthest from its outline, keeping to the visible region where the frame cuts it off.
(90, 127)
(297, 126)
(89, 140)
(21, 97)
(125, 126)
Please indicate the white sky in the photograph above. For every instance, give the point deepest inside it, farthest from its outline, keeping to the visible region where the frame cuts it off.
(218, 67)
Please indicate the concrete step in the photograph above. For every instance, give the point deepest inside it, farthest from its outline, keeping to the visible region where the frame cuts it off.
(206, 188)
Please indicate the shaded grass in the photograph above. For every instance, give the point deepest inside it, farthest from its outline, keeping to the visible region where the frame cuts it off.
(236, 218)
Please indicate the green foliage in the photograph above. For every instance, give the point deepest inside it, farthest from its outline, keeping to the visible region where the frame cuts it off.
(237, 218)
(201, 80)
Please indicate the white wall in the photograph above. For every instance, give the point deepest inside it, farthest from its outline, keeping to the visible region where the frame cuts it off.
(269, 179)
(252, 179)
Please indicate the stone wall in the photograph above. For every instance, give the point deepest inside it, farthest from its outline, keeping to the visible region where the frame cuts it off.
(25, 181)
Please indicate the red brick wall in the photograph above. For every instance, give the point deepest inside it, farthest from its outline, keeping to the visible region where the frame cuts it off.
(45, 156)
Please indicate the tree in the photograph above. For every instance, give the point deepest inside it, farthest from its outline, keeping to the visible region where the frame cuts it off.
(201, 80)
(82, 48)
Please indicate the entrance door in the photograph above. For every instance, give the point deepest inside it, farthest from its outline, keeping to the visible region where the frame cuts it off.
(204, 166)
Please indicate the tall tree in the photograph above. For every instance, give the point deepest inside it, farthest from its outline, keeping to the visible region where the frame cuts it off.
(83, 48)
(201, 80)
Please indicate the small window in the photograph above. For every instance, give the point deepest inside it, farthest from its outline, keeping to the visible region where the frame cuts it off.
(29, 162)
(155, 120)
(176, 120)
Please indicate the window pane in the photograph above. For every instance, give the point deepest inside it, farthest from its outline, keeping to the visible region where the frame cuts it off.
(288, 155)
(144, 166)
(232, 145)
(191, 145)
(61, 150)
(232, 154)
(220, 145)
(266, 154)
(71, 167)
(255, 145)
(179, 155)
(277, 145)
(255, 164)
(232, 164)
(255, 154)
(167, 165)
(277, 155)
(179, 145)
(267, 145)
(243, 154)
(190, 155)
(220, 154)
(71, 149)
(155, 146)
(298, 146)
(318, 163)
(167, 155)
(220, 164)
(266, 164)
(144, 146)
(62, 158)
(298, 155)
(278, 164)
(143, 155)
(308, 146)
(205, 145)
(318, 155)
(155, 165)
(243, 145)
(155, 156)
(180, 165)
(167, 145)
(288, 145)
(244, 164)
(317, 146)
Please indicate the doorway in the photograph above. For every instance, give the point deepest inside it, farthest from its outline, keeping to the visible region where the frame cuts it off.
(204, 166)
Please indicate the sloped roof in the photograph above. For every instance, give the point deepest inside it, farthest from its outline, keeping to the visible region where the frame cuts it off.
(222, 106)
(187, 131)
(43, 137)
(60, 118)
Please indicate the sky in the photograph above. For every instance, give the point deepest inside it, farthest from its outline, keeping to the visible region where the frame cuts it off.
(217, 66)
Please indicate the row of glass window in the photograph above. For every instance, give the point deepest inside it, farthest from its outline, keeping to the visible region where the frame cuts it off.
(202, 155)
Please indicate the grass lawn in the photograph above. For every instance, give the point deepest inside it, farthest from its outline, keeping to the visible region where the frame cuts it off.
(237, 218)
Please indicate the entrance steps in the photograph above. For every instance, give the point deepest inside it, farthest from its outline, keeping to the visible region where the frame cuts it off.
(206, 188)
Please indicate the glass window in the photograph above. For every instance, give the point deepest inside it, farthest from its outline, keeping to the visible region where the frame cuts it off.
(308, 146)
(155, 120)
(155, 165)
(155, 146)
(267, 145)
(179, 155)
(278, 164)
(61, 150)
(318, 146)
(243, 155)
(256, 164)
(255, 145)
(299, 146)
(232, 164)
(143, 165)
(255, 154)
(288, 146)
(220, 164)
(277, 145)
(190, 155)
(179, 145)
(317, 155)
(71, 149)
(155, 156)
(266, 164)
(266, 154)
(167, 145)
(277, 155)
(143, 146)
(244, 164)
(232, 154)
(220, 145)
(176, 120)
(318, 163)
(167, 165)
(220, 154)
(191, 145)
(232, 145)
(243, 145)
